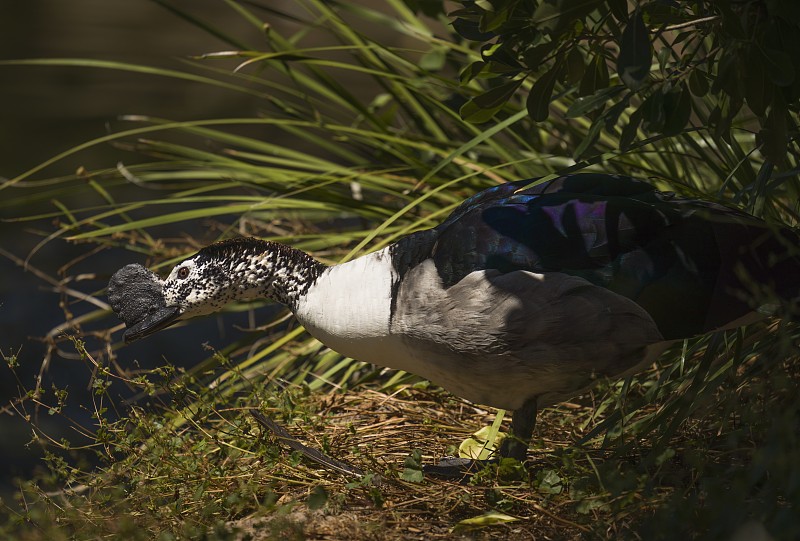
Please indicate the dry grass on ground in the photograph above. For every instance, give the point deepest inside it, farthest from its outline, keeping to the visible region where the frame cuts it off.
(376, 432)
(208, 471)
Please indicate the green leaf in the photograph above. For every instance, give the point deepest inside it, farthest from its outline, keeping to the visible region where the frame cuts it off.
(778, 66)
(664, 456)
(678, 110)
(653, 113)
(492, 20)
(635, 53)
(773, 138)
(757, 87)
(629, 131)
(681, 37)
(660, 13)
(499, 52)
(497, 96)
(434, 59)
(731, 21)
(412, 475)
(595, 77)
(698, 83)
(590, 137)
(412, 471)
(575, 66)
(556, 15)
(587, 104)
(491, 518)
(538, 103)
(318, 498)
(481, 444)
(722, 124)
(790, 11)
(549, 482)
(663, 57)
(471, 71)
(612, 115)
(501, 68)
(727, 78)
(482, 108)
(619, 8)
(587, 505)
(534, 56)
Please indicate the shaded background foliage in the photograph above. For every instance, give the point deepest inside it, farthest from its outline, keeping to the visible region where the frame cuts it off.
(726, 54)
(46, 111)
(355, 125)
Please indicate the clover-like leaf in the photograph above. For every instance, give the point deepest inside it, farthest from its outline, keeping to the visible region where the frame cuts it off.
(635, 53)
(538, 102)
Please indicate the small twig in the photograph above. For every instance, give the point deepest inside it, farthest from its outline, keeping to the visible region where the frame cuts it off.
(58, 285)
(691, 23)
(557, 518)
(308, 452)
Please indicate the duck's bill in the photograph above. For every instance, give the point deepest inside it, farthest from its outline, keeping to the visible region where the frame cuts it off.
(153, 322)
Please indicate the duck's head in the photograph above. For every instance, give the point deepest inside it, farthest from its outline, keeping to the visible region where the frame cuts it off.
(230, 270)
(201, 285)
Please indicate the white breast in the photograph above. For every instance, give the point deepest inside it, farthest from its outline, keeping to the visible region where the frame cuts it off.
(348, 309)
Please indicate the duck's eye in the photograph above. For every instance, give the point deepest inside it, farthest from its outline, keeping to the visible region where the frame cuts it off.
(183, 272)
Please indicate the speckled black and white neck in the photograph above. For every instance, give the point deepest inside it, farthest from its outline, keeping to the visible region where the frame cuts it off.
(241, 268)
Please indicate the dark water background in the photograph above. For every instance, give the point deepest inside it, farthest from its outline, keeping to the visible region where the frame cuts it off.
(46, 110)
